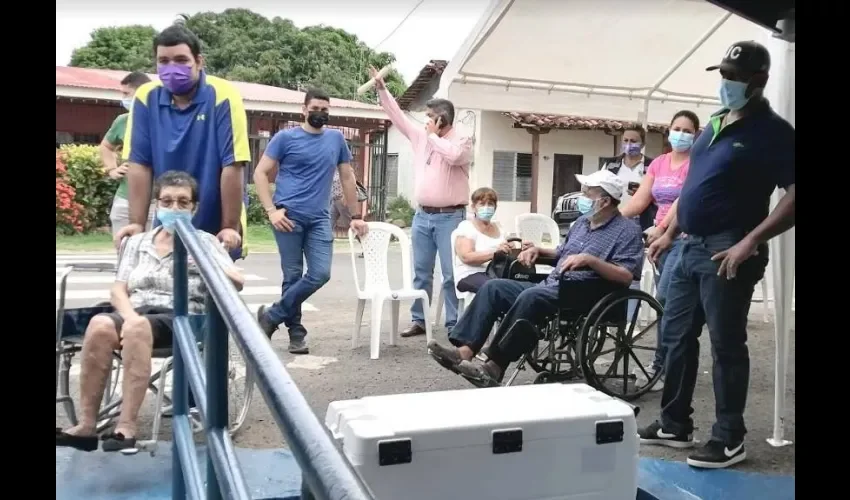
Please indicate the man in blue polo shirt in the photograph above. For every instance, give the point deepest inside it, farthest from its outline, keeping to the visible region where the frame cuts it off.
(305, 159)
(195, 123)
(745, 152)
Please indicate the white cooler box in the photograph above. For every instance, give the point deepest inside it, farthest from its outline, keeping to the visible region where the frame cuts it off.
(531, 442)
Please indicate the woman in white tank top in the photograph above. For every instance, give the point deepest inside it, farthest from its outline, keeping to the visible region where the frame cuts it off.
(477, 240)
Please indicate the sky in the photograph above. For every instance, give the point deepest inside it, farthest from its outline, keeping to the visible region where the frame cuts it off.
(435, 31)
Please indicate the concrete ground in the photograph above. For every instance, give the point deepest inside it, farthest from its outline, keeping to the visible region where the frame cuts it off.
(333, 371)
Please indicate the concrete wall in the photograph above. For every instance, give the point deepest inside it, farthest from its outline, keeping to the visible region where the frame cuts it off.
(398, 144)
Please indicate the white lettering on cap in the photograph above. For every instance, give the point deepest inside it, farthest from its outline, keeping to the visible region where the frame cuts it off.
(733, 52)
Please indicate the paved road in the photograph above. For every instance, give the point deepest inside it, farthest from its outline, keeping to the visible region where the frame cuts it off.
(334, 371)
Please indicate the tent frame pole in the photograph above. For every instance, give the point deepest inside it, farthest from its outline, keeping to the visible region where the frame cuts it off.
(687, 55)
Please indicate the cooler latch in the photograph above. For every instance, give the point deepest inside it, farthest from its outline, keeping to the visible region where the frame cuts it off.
(609, 432)
(394, 452)
(507, 441)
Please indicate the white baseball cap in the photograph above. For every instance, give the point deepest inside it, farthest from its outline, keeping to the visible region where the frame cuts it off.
(606, 180)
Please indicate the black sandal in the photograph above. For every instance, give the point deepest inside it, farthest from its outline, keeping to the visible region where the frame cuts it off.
(82, 443)
(115, 441)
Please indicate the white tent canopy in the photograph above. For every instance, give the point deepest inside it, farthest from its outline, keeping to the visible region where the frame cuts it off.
(525, 52)
(622, 60)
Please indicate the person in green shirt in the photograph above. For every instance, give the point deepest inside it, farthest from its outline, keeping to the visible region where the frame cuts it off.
(110, 153)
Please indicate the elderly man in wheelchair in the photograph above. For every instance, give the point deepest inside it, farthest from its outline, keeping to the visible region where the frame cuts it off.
(602, 253)
(141, 317)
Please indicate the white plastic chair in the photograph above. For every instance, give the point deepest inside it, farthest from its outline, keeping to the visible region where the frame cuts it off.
(533, 227)
(376, 286)
(463, 298)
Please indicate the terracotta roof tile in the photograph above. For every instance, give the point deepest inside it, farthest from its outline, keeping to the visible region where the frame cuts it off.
(107, 79)
(533, 120)
(431, 70)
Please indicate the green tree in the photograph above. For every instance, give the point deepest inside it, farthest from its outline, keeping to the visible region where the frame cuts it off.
(241, 45)
(128, 48)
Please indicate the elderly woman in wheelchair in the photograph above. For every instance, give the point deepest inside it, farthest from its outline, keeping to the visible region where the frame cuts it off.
(141, 317)
(602, 253)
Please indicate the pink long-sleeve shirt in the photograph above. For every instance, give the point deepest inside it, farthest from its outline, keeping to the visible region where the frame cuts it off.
(440, 164)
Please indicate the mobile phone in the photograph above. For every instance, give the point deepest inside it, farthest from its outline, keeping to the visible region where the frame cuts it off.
(633, 186)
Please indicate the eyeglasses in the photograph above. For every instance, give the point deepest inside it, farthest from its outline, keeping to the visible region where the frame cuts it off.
(181, 203)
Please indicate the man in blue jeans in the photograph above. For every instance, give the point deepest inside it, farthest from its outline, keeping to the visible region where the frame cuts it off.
(441, 158)
(305, 159)
(745, 152)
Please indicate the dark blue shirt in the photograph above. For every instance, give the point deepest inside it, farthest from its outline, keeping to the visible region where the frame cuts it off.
(733, 172)
(307, 163)
(201, 140)
(619, 241)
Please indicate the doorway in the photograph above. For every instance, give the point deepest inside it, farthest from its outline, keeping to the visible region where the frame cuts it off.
(564, 175)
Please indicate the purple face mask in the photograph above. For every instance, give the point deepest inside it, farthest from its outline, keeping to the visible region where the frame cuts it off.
(176, 77)
(631, 148)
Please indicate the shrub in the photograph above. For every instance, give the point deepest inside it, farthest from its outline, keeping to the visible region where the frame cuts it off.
(69, 213)
(400, 208)
(94, 189)
(256, 214)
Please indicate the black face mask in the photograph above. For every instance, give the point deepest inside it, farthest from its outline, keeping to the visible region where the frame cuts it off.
(317, 119)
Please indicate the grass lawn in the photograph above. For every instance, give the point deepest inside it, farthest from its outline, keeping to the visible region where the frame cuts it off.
(260, 239)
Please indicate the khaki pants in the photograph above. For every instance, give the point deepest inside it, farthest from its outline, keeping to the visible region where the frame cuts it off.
(119, 215)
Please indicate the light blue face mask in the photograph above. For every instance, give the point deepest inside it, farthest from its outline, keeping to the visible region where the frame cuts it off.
(168, 217)
(584, 205)
(680, 141)
(733, 95)
(485, 213)
(127, 103)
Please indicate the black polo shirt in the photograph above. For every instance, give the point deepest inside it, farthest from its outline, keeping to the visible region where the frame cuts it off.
(734, 170)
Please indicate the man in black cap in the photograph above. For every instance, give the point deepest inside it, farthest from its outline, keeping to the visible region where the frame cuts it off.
(745, 152)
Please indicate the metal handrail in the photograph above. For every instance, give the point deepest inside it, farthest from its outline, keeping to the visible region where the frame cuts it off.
(326, 473)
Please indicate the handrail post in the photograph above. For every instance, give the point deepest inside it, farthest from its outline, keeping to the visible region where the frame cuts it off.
(180, 388)
(216, 358)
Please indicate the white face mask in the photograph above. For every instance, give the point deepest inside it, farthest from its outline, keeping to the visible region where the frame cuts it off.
(127, 103)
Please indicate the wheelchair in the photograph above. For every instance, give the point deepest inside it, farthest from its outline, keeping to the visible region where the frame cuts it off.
(593, 337)
(71, 324)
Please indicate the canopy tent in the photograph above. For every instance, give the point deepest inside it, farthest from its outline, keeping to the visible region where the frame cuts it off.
(573, 57)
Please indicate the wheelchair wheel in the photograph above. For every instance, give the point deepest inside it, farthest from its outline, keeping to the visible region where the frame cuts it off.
(240, 388)
(616, 351)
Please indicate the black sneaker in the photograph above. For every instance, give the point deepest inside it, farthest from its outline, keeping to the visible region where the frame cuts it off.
(717, 455)
(654, 434)
(298, 346)
(267, 326)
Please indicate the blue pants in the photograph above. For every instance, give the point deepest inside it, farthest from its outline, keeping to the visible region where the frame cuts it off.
(514, 299)
(697, 296)
(311, 239)
(431, 235)
(665, 263)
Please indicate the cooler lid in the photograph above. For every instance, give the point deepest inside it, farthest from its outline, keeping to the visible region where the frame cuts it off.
(455, 419)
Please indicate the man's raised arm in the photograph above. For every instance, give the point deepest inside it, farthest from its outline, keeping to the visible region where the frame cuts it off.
(411, 131)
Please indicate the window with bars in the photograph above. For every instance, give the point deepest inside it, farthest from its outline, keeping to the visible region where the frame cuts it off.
(392, 176)
(512, 175)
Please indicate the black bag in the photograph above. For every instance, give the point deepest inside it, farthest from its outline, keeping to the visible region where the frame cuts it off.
(506, 266)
